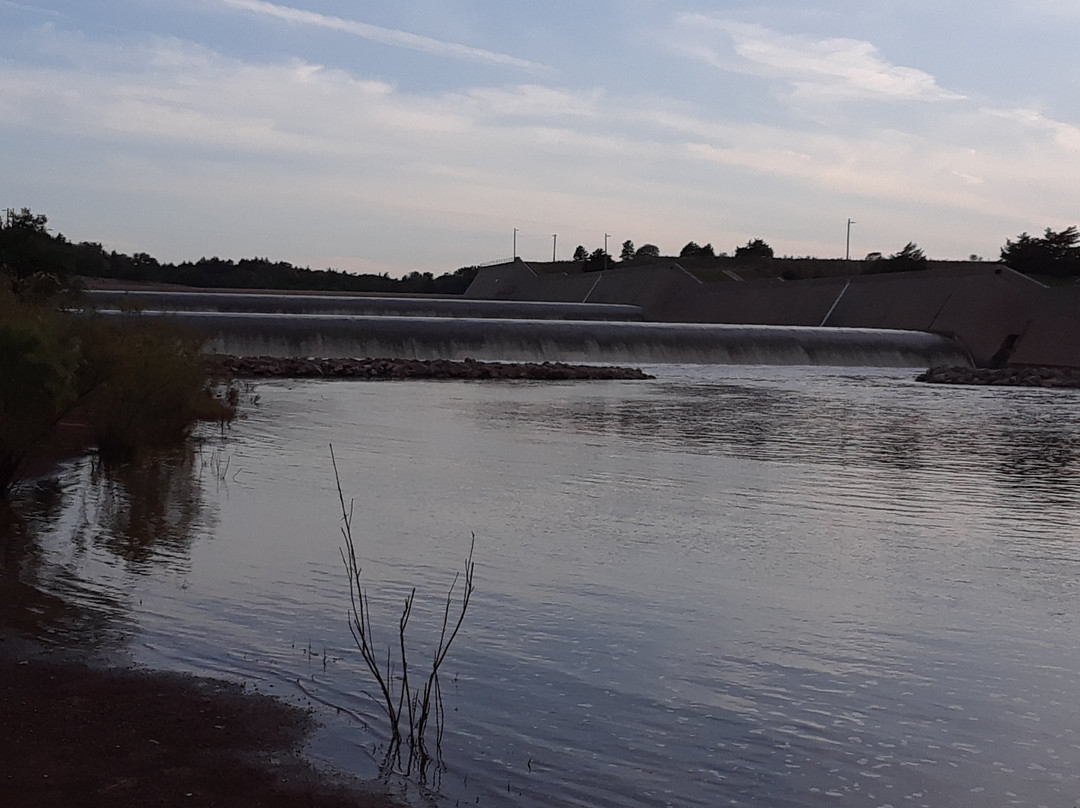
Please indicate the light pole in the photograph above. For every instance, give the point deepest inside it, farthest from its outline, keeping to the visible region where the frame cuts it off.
(847, 251)
(515, 243)
(606, 237)
(554, 241)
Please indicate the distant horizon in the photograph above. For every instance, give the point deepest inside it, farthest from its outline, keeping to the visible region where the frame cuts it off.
(420, 137)
(616, 262)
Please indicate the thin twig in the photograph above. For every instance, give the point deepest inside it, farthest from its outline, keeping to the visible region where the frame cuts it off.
(415, 705)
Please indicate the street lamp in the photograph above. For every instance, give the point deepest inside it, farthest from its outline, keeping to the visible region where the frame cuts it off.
(847, 251)
(515, 243)
(606, 256)
(554, 241)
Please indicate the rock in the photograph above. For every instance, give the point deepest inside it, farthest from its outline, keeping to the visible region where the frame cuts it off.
(310, 367)
(1029, 376)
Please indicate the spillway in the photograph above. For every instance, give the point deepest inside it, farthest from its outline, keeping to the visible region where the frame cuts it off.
(409, 337)
(262, 302)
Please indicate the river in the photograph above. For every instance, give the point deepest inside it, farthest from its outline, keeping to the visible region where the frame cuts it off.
(780, 586)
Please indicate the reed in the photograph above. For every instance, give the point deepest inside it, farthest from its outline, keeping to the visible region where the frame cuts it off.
(411, 708)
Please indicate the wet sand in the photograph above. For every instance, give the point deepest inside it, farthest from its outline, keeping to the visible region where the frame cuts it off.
(76, 735)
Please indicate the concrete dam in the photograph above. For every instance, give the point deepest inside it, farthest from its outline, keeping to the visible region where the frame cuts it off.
(424, 328)
(266, 303)
(999, 316)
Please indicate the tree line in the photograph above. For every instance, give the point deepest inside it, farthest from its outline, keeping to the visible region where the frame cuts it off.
(1055, 253)
(755, 250)
(28, 248)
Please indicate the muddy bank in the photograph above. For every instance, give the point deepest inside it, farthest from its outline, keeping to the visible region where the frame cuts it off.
(290, 367)
(71, 734)
(1050, 377)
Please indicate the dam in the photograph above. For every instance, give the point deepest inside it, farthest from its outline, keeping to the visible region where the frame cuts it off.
(262, 302)
(312, 325)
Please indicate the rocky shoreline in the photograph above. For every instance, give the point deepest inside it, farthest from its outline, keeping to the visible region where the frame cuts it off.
(263, 367)
(1030, 376)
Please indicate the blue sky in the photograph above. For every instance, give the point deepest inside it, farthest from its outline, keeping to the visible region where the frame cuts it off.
(392, 136)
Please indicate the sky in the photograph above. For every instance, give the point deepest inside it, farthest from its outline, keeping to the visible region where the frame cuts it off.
(423, 135)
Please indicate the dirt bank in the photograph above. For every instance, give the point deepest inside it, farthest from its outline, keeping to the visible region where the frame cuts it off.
(76, 735)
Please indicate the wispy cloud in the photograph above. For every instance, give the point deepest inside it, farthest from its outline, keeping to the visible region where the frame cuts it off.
(530, 101)
(387, 36)
(33, 9)
(1065, 135)
(1052, 8)
(222, 140)
(820, 68)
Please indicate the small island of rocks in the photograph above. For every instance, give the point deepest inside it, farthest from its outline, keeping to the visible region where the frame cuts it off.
(376, 369)
(1022, 376)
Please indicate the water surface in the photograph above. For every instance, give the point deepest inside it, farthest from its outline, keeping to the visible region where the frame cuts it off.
(728, 586)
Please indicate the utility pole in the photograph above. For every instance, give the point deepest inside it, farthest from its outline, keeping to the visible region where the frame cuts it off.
(554, 241)
(847, 251)
(515, 243)
(607, 258)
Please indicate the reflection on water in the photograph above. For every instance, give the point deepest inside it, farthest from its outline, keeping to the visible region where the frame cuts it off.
(69, 540)
(751, 586)
(1038, 458)
(148, 510)
(35, 592)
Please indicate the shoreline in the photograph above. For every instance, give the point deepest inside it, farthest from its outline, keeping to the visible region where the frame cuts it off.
(76, 733)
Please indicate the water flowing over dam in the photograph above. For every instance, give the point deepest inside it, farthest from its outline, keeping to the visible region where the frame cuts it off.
(261, 302)
(494, 339)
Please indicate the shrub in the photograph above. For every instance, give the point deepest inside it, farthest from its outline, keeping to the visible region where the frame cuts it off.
(146, 383)
(38, 377)
(138, 383)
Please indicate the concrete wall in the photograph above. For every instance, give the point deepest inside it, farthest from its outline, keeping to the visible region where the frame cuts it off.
(996, 313)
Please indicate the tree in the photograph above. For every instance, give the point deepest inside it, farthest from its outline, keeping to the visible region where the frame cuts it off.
(26, 248)
(646, 252)
(580, 254)
(1056, 253)
(627, 253)
(910, 257)
(598, 260)
(755, 249)
(26, 221)
(692, 250)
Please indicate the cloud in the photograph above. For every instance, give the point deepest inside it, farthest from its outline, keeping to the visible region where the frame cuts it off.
(530, 101)
(170, 93)
(237, 148)
(386, 36)
(1064, 135)
(816, 68)
(1051, 8)
(31, 9)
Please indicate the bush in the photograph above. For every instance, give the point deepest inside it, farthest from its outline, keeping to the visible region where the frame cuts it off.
(38, 380)
(755, 250)
(138, 383)
(146, 383)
